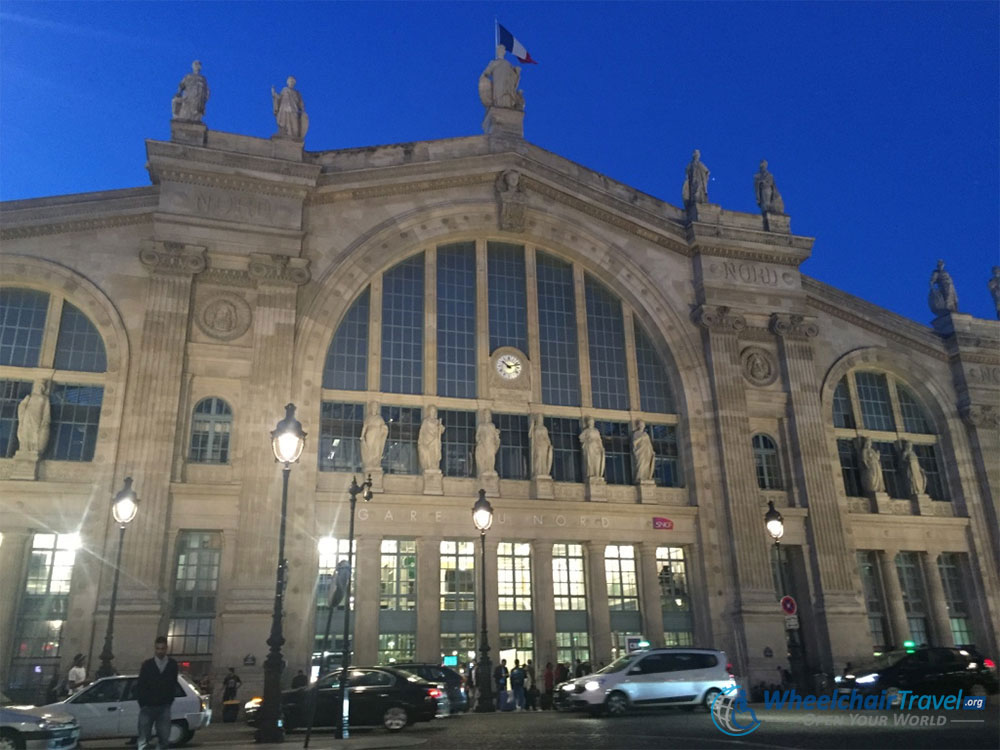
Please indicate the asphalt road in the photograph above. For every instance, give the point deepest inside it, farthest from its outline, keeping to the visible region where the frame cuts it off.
(647, 731)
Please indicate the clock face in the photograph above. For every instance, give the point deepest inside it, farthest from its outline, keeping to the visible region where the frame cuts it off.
(509, 366)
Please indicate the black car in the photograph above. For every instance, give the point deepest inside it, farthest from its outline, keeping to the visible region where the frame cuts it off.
(938, 671)
(454, 683)
(379, 696)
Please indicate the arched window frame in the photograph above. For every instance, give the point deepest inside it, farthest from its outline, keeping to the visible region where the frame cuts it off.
(211, 432)
(767, 462)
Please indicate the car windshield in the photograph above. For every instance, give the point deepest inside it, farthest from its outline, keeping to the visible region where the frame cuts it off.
(887, 659)
(617, 665)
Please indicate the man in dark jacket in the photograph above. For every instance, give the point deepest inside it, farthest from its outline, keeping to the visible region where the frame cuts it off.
(155, 690)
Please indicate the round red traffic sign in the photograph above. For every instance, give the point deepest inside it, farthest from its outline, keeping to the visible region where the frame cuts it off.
(788, 605)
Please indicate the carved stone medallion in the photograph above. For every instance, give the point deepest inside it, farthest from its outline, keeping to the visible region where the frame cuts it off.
(225, 316)
(758, 366)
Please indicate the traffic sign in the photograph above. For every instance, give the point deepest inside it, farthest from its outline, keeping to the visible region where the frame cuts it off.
(788, 605)
(792, 622)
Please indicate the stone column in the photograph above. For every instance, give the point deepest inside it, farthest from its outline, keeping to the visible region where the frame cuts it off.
(149, 422)
(896, 610)
(597, 604)
(366, 600)
(756, 623)
(543, 612)
(937, 602)
(839, 614)
(249, 601)
(428, 599)
(649, 598)
(13, 560)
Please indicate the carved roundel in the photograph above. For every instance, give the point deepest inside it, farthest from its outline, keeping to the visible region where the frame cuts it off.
(759, 367)
(224, 316)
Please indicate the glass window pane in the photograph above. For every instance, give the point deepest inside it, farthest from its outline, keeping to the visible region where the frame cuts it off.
(557, 332)
(76, 414)
(458, 575)
(620, 570)
(842, 414)
(512, 458)
(400, 455)
(458, 443)
(398, 576)
(655, 393)
(211, 424)
(914, 418)
(567, 453)
(403, 327)
(672, 575)
(873, 397)
(667, 471)
(617, 439)
(569, 577)
(927, 457)
(456, 320)
(22, 325)
(895, 482)
(339, 441)
(347, 358)
(606, 337)
(765, 454)
(514, 576)
(507, 296)
(850, 468)
(79, 346)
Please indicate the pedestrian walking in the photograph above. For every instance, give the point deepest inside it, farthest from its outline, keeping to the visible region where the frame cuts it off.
(562, 673)
(230, 684)
(517, 677)
(77, 676)
(549, 685)
(299, 680)
(579, 669)
(530, 688)
(155, 690)
(500, 675)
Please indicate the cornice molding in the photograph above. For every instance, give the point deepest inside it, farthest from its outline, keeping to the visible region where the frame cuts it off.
(79, 225)
(225, 277)
(399, 188)
(757, 255)
(793, 326)
(263, 164)
(226, 182)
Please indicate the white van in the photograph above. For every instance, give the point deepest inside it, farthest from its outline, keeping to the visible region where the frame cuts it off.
(651, 678)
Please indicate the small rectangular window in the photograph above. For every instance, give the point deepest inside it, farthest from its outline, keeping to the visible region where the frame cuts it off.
(400, 455)
(568, 577)
(850, 469)
(514, 575)
(458, 443)
(567, 455)
(617, 439)
(398, 577)
(22, 325)
(622, 581)
(873, 397)
(458, 575)
(340, 436)
(512, 458)
(75, 418)
(667, 471)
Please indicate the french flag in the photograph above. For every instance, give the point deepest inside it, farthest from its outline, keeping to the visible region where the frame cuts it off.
(513, 46)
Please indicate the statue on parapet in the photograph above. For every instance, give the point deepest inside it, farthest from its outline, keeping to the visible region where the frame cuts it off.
(942, 297)
(994, 284)
(188, 103)
(498, 83)
(695, 188)
(33, 419)
(766, 192)
(290, 111)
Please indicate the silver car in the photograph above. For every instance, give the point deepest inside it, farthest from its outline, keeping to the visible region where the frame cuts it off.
(27, 728)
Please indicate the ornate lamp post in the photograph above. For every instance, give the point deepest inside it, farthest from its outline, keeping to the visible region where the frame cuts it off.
(365, 490)
(123, 508)
(287, 442)
(482, 517)
(775, 526)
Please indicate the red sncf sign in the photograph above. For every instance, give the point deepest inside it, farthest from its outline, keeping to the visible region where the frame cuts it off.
(662, 523)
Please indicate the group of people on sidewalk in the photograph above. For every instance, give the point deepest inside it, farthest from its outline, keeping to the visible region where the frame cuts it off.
(528, 692)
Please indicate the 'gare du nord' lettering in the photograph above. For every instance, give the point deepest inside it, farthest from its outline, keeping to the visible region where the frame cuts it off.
(440, 516)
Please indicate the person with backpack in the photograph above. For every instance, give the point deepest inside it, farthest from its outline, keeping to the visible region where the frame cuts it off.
(517, 677)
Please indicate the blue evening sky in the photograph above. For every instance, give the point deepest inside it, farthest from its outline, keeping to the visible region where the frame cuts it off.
(879, 120)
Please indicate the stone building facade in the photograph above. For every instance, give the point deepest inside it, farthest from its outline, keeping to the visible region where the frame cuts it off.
(503, 285)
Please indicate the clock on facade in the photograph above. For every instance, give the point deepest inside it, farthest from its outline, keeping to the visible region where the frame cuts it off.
(509, 366)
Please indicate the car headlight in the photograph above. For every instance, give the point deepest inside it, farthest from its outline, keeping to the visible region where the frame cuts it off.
(252, 703)
(592, 684)
(568, 688)
(867, 679)
(838, 679)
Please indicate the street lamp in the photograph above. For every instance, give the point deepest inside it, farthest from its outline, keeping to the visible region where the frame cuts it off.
(775, 526)
(287, 442)
(123, 508)
(482, 517)
(365, 490)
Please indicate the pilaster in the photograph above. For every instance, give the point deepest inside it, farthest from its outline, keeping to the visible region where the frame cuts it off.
(896, 610)
(937, 602)
(366, 595)
(649, 600)
(543, 614)
(428, 599)
(597, 604)
(840, 615)
(13, 560)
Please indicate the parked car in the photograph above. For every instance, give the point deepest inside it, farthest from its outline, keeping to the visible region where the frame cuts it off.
(379, 696)
(926, 670)
(454, 683)
(108, 708)
(23, 728)
(651, 678)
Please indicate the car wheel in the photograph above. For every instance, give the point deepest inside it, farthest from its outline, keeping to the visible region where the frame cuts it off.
(709, 697)
(180, 734)
(395, 718)
(10, 741)
(978, 689)
(616, 704)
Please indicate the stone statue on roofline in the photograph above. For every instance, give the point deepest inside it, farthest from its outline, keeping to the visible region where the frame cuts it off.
(942, 297)
(290, 111)
(498, 83)
(695, 188)
(188, 103)
(766, 192)
(994, 285)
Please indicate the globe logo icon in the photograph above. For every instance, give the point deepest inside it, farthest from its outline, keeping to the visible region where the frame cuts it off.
(731, 713)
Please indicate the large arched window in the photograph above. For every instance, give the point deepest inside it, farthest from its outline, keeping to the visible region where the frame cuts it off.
(765, 456)
(211, 425)
(877, 406)
(68, 360)
(437, 325)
